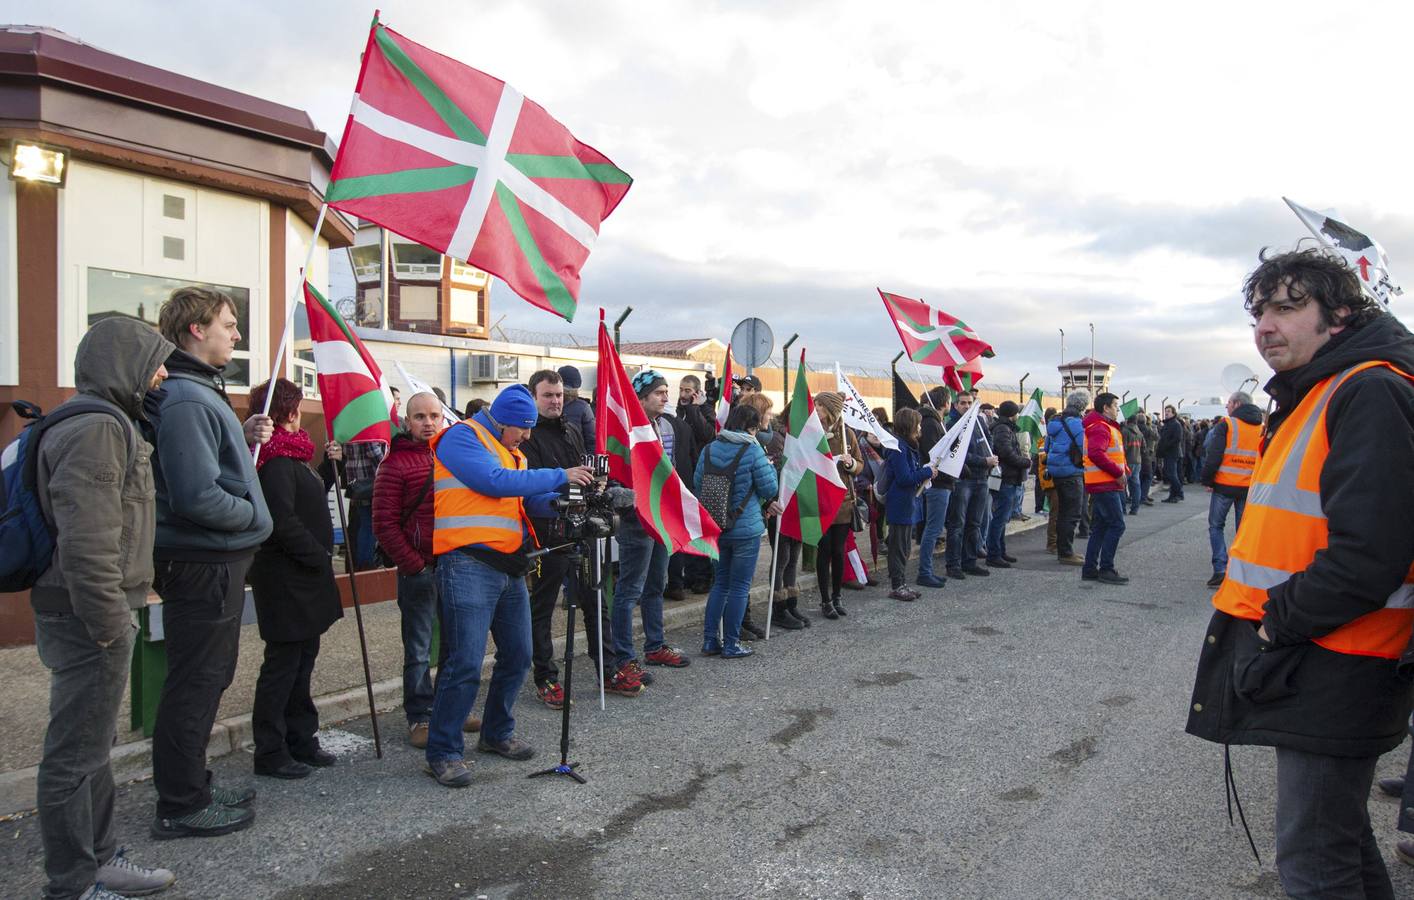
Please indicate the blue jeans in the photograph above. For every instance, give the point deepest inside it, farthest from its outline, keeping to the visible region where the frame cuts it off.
(361, 524)
(1173, 476)
(476, 599)
(966, 510)
(935, 524)
(643, 573)
(1106, 527)
(1134, 493)
(736, 564)
(1146, 481)
(1004, 503)
(417, 602)
(1218, 506)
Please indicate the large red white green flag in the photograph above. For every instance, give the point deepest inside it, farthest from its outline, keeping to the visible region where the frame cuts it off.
(461, 162)
(666, 507)
(964, 377)
(724, 403)
(811, 487)
(356, 398)
(930, 336)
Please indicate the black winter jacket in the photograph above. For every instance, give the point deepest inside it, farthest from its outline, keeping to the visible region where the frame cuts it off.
(1006, 445)
(1289, 691)
(1217, 444)
(932, 432)
(553, 444)
(292, 576)
(1170, 439)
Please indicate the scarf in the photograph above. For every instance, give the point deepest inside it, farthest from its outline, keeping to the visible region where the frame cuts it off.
(292, 444)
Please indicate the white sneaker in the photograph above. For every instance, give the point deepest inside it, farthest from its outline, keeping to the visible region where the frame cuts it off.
(126, 878)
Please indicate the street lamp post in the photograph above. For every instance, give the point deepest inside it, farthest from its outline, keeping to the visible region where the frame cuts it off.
(1021, 389)
(619, 321)
(785, 368)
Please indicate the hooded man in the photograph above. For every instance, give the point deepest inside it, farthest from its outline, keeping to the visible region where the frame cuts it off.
(1317, 606)
(1229, 457)
(94, 484)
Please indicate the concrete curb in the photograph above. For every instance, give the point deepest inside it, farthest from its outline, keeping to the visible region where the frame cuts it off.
(133, 761)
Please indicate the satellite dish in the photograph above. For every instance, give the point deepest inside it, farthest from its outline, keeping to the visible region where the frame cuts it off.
(1237, 377)
(752, 342)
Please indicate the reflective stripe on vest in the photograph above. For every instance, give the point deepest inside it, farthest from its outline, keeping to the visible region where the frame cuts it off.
(1284, 526)
(1096, 475)
(1244, 442)
(463, 517)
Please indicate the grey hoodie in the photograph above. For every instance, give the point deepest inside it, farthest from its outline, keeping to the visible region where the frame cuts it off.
(95, 485)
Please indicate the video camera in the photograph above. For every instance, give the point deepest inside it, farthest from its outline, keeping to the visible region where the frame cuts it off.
(587, 511)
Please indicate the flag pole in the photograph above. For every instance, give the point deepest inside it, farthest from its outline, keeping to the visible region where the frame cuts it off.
(775, 551)
(278, 360)
(353, 592)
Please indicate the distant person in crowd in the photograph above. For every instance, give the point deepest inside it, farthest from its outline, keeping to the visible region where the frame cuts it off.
(361, 462)
(969, 499)
(1170, 450)
(1106, 480)
(691, 570)
(211, 519)
(785, 611)
(988, 416)
(1303, 651)
(938, 492)
(1046, 484)
(1065, 462)
(739, 544)
(750, 629)
(1133, 458)
(1195, 456)
(292, 580)
(746, 385)
(882, 415)
(403, 524)
(93, 481)
(1150, 469)
(1015, 464)
(395, 414)
(556, 444)
(483, 494)
(643, 562)
(579, 411)
(1233, 445)
(908, 475)
(830, 552)
(473, 407)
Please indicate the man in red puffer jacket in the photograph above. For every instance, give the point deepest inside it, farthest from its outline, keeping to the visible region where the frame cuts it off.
(1106, 478)
(402, 523)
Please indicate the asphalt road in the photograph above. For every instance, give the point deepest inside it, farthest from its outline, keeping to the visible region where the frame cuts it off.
(1015, 736)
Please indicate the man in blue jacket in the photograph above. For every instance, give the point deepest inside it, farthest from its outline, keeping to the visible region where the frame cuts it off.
(1065, 463)
(211, 518)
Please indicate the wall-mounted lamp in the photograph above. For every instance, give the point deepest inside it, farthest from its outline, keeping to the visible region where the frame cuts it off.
(38, 162)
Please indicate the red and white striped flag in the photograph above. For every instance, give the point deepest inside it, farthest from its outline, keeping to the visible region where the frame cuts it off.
(666, 508)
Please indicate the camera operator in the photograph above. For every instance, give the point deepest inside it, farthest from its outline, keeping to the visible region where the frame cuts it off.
(556, 442)
(482, 493)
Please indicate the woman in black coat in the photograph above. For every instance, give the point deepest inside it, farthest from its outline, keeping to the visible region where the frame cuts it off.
(296, 599)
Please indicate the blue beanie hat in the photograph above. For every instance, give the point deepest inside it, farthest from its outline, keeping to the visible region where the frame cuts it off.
(571, 377)
(514, 406)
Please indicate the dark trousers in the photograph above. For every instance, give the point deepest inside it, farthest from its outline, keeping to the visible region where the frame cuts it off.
(556, 570)
(1105, 531)
(75, 783)
(1070, 491)
(900, 544)
(689, 570)
(420, 610)
(967, 509)
(1325, 846)
(1173, 476)
(829, 561)
(283, 718)
(201, 618)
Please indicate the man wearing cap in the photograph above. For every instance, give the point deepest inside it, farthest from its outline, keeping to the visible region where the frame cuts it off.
(484, 496)
(746, 385)
(643, 562)
(578, 412)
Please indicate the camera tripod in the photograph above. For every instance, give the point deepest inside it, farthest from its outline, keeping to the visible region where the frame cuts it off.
(588, 571)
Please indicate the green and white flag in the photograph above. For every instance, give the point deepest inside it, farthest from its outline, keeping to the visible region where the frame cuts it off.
(1032, 420)
(1128, 409)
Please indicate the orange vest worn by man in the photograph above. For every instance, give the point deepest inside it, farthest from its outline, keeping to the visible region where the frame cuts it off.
(1229, 456)
(1316, 608)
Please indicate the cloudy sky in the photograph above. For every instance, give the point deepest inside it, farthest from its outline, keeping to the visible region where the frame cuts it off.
(1027, 166)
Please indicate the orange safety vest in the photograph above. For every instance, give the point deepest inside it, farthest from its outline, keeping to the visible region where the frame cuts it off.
(1096, 475)
(462, 517)
(1284, 526)
(1244, 442)
(1041, 471)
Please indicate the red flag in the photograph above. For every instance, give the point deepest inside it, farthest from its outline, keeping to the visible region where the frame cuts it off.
(724, 403)
(356, 398)
(665, 506)
(930, 336)
(460, 162)
(964, 377)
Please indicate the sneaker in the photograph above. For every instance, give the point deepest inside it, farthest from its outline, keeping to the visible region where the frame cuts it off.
(624, 683)
(237, 797)
(99, 892)
(931, 581)
(956, 574)
(551, 694)
(128, 879)
(417, 735)
(667, 656)
(644, 677)
(998, 563)
(1110, 576)
(452, 773)
(212, 821)
(975, 569)
(511, 748)
(1071, 560)
(471, 724)
(902, 593)
(1216, 580)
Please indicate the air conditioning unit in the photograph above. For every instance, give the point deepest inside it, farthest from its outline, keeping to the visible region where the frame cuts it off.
(494, 367)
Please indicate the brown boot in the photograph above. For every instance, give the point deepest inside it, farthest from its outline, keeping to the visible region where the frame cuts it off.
(472, 723)
(417, 735)
(1071, 560)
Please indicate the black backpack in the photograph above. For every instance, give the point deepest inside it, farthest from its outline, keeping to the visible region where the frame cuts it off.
(715, 494)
